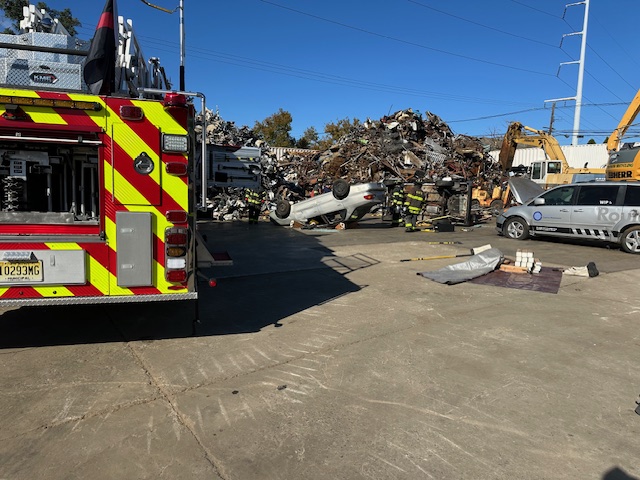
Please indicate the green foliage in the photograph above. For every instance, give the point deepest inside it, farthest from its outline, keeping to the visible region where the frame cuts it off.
(335, 131)
(591, 142)
(275, 129)
(309, 138)
(606, 140)
(13, 11)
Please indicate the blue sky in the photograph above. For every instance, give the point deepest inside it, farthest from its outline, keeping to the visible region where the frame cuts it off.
(477, 64)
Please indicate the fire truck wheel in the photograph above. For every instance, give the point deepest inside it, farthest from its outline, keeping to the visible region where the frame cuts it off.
(340, 189)
(283, 209)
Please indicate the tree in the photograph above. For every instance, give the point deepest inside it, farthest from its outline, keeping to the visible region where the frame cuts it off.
(591, 142)
(309, 138)
(335, 131)
(13, 11)
(275, 129)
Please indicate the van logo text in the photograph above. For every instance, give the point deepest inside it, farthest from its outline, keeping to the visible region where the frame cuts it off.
(604, 215)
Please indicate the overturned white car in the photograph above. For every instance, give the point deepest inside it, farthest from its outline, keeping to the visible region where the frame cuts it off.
(344, 203)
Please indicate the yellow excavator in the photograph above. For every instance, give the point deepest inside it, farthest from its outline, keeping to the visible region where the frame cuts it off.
(552, 172)
(624, 159)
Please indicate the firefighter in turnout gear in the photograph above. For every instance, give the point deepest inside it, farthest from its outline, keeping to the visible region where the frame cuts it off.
(397, 205)
(414, 201)
(253, 197)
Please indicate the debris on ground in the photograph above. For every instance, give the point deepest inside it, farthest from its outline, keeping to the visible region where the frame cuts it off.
(589, 270)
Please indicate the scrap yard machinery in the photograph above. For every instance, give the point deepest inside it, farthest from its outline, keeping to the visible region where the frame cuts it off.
(624, 158)
(551, 172)
(97, 191)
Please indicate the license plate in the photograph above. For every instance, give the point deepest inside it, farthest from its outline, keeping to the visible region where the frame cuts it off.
(16, 272)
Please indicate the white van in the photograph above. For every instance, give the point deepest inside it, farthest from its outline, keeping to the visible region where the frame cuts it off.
(602, 211)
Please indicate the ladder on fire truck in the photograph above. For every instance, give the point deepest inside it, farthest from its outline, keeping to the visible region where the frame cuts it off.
(133, 72)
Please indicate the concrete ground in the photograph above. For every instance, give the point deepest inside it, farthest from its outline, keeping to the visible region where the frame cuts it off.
(320, 355)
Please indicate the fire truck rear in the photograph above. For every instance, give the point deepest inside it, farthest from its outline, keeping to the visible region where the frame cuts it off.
(97, 194)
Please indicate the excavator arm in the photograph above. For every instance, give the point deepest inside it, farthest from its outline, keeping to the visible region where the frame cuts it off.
(516, 135)
(613, 144)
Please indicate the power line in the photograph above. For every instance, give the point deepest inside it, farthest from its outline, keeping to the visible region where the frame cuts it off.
(531, 110)
(536, 9)
(613, 69)
(247, 62)
(481, 25)
(387, 37)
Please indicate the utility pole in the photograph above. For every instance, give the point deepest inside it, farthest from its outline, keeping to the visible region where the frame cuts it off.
(583, 48)
(180, 7)
(552, 119)
(182, 46)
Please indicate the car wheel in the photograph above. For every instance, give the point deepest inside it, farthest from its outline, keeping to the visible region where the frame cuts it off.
(283, 209)
(630, 241)
(516, 228)
(475, 204)
(340, 189)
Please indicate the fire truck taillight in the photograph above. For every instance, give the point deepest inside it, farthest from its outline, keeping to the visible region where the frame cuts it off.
(175, 100)
(175, 241)
(175, 143)
(131, 112)
(176, 276)
(176, 105)
(176, 168)
(176, 237)
(177, 216)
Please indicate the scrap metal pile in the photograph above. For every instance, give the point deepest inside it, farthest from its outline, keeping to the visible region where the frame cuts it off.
(407, 147)
(401, 147)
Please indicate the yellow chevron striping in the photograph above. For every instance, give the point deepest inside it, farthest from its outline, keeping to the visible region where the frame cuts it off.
(98, 276)
(53, 291)
(155, 113)
(63, 246)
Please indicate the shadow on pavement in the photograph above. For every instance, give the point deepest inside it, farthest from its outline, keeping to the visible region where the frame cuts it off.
(277, 272)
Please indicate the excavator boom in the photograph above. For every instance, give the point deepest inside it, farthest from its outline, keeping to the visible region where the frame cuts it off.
(519, 134)
(613, 144)
(624, 163)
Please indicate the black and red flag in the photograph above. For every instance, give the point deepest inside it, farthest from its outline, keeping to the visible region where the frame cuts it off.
(100, 65)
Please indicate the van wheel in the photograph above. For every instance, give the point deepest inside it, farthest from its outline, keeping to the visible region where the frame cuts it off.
(340, 189)
(516, 228)
(283, 209)
(630, 241)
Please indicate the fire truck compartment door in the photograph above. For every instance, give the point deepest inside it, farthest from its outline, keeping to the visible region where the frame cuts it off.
(136, 169)
(134, 249)
(42, 267)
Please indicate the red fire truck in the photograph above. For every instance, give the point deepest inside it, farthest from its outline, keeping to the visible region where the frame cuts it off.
(97, 192)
